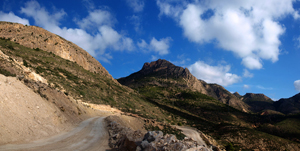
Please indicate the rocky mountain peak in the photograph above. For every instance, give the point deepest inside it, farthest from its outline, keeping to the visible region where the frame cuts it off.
(237, 94)
(164, 68)
(160, 63)
(259, 96)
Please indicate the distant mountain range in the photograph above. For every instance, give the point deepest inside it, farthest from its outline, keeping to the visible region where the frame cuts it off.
(250, 102)
(165, 70)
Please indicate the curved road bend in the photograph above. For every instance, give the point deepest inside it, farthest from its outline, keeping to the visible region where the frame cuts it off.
(90, 135)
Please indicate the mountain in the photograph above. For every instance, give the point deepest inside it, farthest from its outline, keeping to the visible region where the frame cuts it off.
(258, 102)
(289, 106)
(236, 94)
(160, 93)
(211, 108)
(35, 37)
(164, 71)
(36, 54)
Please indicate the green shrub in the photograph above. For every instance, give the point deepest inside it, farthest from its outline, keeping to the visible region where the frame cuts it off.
(229, 147)
(10, 47)
(25, 63)
(6, 73)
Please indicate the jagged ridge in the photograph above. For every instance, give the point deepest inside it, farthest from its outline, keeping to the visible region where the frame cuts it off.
(182, 78)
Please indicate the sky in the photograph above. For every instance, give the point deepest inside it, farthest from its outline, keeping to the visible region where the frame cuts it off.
(247, 46)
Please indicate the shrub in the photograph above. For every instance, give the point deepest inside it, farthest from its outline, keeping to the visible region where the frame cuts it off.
(25, 63)
(6, 73)
(10, 47)
(229, 147)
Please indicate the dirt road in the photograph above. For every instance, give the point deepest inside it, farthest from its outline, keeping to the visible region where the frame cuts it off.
(90, 135)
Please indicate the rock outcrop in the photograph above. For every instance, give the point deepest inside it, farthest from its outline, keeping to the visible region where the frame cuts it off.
(21, 69)
(125, 139)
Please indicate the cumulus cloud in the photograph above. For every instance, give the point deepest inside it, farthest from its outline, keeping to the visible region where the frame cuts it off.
(154, 58)
(159, 46)
(214, 74)
(11, 17)
(247, 28)
(142, 44)
(96, 44)
(247, 74)
(297, 85)
(173, 10)
(96, 18)
(252, 63)
(245, 86)
(136, 5)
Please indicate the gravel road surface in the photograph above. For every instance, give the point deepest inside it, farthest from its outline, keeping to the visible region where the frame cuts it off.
(90, 135)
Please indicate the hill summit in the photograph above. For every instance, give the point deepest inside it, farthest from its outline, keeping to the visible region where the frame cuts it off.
(161, 72)
(35, 37)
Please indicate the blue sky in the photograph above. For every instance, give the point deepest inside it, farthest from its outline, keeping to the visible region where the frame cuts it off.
(243, 45)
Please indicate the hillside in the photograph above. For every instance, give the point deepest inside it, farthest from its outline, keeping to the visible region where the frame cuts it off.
(258, 102)
(160, 94)
(162, 72)
(200, 104)
(26, 116)
(35, 37)
(289, 105)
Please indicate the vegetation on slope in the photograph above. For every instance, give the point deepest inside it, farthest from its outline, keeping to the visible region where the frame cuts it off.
(82, 84)
(223, 122)
(166, 100)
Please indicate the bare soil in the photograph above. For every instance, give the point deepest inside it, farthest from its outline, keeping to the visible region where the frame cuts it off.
(26, 116)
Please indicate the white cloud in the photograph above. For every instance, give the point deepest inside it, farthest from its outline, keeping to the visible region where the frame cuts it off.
(214, 74)
(142, 44)
(96, 44)
(95, 19)
(248, 28)
(245, 86)
(41, 16)
(11, 17)
(170, 10)
(136, 5)
(264, 88)
(252, 63)
(297, 85)
(159, 46)
(247, 74)
(154, 58)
